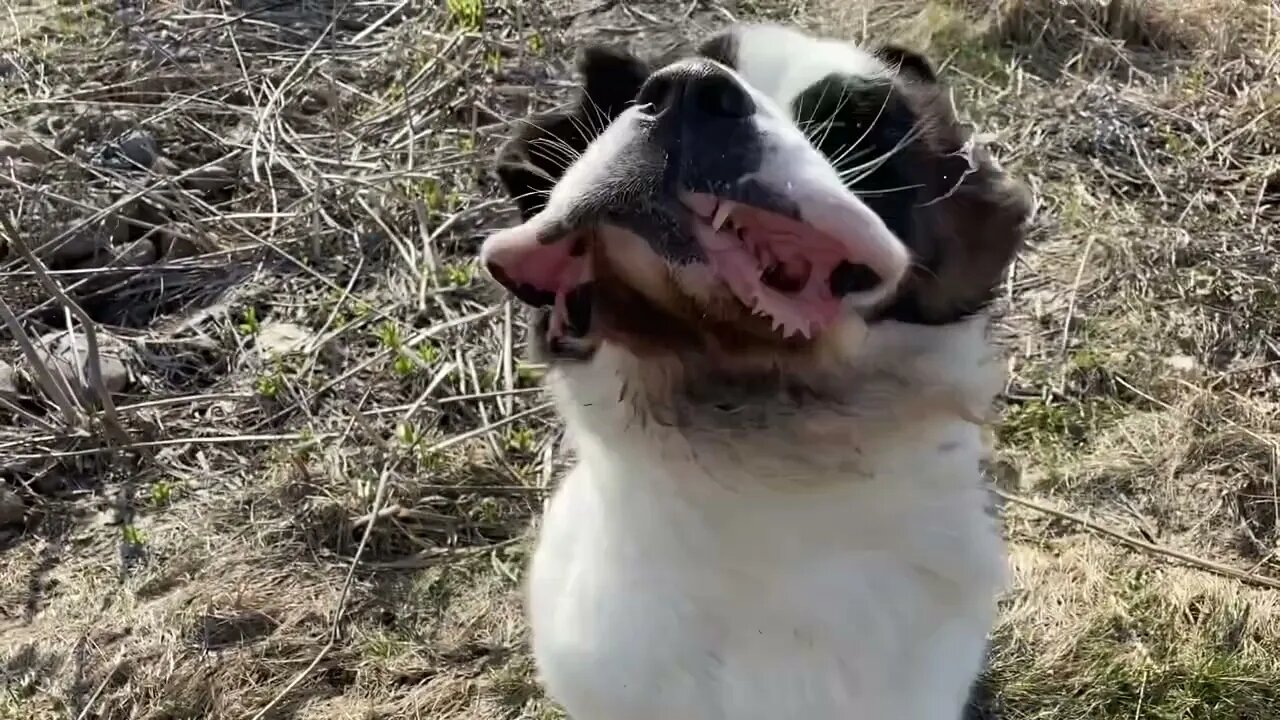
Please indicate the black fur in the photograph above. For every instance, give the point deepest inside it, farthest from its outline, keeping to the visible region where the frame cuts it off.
(530, 163)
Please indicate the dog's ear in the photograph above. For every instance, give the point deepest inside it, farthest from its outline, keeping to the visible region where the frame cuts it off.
(543, 147)
(970, 220)
(975, 220)
(908, 62)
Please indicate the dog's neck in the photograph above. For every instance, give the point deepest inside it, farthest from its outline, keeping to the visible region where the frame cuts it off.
(879, 401)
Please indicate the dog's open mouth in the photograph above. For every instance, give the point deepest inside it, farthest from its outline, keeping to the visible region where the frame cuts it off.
(786, 270)
(792, 272)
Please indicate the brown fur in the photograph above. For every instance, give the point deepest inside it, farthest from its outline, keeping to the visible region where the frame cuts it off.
(976, 223)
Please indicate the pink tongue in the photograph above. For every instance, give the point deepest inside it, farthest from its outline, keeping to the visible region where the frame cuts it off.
(537, 267)
(771, 246)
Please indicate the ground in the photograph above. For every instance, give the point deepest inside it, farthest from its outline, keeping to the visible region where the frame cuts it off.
(301, 481)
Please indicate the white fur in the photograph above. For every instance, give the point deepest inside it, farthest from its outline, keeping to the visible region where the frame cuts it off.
(687, 580)
(833, 564)
(781, 61)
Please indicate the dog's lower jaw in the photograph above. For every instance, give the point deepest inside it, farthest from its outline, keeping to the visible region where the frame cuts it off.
(678, 576)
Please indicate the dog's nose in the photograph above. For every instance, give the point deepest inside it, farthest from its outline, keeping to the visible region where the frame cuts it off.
(701, 88)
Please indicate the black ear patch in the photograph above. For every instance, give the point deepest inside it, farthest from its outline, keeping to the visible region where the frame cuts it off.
(531, 162)
(899, 146)
(908, 62)
(969, 222)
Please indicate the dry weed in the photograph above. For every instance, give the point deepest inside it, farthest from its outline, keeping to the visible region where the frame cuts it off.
(311, 497)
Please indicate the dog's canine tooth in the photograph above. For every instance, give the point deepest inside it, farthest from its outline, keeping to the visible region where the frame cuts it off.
(723, 210)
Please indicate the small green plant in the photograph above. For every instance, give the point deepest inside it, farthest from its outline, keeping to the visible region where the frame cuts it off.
(528, 376)
(429, 459)
(132, 535)
(1087, 359)
(459, 275)
(435, 197)
(394, 94)
(306, 445)
(408, 434)
(489, 511)
(403, 365)
(536, 44)
(249, 324)
(468, 14)
(381, 646)
(161, 494)
(428, 353)
(494, 61)
(389, 335)
(269, 386)
(521, 440)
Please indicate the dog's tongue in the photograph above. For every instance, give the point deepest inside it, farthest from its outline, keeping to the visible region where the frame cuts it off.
(778, 268)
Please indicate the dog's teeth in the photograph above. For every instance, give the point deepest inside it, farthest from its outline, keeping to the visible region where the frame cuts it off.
(722, 214)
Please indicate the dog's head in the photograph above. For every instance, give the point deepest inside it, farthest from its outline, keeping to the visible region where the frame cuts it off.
(747, 199)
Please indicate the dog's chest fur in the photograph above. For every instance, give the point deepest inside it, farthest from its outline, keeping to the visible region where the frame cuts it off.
(747, 574)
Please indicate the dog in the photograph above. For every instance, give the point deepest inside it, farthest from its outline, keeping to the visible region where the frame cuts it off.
(759, 272)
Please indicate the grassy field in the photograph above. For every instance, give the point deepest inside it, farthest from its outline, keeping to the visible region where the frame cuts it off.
(300, 483)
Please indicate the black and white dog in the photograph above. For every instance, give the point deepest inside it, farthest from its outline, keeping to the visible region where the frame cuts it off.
(759, 275)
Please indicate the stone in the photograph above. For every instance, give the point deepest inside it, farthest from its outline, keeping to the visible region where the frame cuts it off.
(278, 339)
(8, 382)
(18, 169)
(139, 148)
(215, 178)
(12, 509)
(131, 149)
(116, 263)
(30, 150)
(176, 242)
(9, 66)
(67, 353)
(138, 252)
(92, 240)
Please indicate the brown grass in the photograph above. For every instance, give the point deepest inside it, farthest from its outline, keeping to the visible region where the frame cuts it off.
(312, 500)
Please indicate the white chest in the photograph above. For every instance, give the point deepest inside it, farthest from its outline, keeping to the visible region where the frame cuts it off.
(853, 603)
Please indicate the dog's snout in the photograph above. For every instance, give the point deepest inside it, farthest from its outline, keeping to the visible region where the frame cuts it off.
(699, 89)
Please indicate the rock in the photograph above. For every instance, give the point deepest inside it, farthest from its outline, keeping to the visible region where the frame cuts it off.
(176, 242)
(139, 148)
(116, 263)
(92, 240)
(277, 339)
(19, 169)
(9, 66)
(29, 150)
(12, 509)
(138, 252)
(67, 353)
(8, 382)
(133, 149)
(215, 178)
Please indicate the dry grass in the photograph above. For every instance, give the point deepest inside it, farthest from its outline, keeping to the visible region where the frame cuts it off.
(312, 500)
